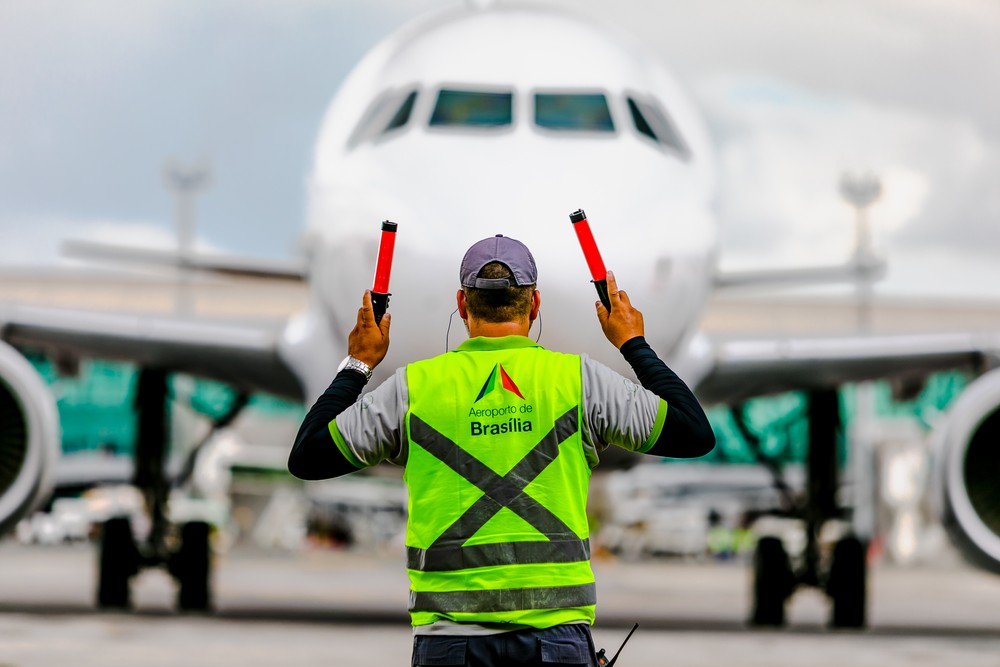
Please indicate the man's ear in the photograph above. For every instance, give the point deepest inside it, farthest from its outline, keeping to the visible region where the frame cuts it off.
(460, 300)
(536, 303)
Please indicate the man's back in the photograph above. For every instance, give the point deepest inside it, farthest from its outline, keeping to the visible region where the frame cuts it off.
(497, 479)
(498, 439)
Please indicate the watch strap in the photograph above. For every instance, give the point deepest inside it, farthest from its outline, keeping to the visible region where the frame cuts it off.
(354, 364)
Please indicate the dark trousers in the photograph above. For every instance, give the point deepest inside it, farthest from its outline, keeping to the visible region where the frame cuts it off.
(559, 645)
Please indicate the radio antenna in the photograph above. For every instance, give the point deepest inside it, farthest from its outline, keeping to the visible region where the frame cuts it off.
(602, 660)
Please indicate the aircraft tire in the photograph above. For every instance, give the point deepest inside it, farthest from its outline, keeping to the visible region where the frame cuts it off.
(847, 583)
(118, 562)
(772, 582)
(192, 568)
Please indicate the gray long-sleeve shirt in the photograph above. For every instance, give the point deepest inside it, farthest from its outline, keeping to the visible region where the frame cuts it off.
(617, 411)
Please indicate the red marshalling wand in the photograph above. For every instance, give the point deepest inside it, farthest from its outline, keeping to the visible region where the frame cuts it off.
(592, 255)
(383, 267)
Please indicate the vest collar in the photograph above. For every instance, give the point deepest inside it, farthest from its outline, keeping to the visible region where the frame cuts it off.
(487, 343)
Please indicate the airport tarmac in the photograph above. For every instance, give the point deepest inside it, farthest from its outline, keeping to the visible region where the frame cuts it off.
(335, 608)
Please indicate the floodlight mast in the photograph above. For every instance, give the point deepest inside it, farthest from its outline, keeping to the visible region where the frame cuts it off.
(186, 182)
(861, 190)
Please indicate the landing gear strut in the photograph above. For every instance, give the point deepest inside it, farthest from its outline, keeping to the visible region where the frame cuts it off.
(844, 579)
(183, 550)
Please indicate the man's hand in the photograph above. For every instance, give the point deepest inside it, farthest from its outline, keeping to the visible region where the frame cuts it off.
(368, 341)
(624, 322)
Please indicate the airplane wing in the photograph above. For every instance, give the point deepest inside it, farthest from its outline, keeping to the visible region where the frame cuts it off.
(733, 371)
(256, 267)
(858, 268)
(244, 356)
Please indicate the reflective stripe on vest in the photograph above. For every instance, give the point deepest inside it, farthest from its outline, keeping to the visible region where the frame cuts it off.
(506, 599)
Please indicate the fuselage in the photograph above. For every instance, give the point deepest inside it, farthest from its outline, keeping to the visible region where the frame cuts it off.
(503, 121)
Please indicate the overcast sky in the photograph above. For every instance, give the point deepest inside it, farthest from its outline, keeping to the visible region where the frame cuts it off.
(96, 96)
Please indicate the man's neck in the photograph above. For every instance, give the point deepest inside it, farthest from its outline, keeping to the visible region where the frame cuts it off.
(498, 329)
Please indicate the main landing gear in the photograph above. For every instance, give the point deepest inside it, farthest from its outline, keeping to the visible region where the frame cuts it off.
(183, 550)
(843, 575)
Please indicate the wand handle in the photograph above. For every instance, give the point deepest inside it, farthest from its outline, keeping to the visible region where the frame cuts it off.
(593, 256)
(383, 267)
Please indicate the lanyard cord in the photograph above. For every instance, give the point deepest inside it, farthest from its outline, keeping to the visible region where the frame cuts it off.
(447, 333)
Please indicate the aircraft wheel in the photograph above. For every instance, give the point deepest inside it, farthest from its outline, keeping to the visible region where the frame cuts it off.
(118, 562)
(847, 583)
(772, 583)
(192, 566)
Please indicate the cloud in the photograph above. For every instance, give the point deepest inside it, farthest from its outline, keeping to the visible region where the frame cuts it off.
(941, 55)
(783, 150)
(95, 95)
(38, 241)
(904, 197)
(797, 93)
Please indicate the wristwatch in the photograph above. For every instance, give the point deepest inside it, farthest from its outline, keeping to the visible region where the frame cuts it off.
(354, 364)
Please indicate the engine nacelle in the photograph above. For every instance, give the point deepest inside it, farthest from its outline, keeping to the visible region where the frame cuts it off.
(29, 438)
(969, 450)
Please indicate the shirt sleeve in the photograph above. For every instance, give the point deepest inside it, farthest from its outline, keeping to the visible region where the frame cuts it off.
(618, 411)
(322, 449)
(371, 430)
(661, 417)
(686, 431)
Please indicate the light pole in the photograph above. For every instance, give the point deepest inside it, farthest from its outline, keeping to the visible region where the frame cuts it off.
(186, 183)
(861, 190)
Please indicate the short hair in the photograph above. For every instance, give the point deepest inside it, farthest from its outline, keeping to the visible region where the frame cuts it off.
(509, 304)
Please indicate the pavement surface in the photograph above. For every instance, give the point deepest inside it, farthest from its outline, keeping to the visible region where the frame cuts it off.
(340, 608)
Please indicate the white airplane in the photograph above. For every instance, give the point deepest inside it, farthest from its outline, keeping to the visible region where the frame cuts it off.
(504, 119)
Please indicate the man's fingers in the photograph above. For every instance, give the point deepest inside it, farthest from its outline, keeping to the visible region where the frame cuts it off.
(366, 314)
(614, 293)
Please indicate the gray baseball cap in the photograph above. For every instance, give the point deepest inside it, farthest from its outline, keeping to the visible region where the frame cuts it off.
(510, 252)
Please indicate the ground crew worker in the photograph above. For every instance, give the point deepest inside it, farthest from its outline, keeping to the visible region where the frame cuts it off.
(498, 438)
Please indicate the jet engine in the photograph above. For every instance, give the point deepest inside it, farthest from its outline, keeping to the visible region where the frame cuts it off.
(29, 438)
(969, 447)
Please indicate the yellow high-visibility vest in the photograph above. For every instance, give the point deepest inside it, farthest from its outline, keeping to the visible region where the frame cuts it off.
(497, 528)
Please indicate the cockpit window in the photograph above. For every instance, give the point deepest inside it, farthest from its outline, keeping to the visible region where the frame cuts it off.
(402, 115)
(466, 108)
(651, 121)
(387, 112)
(580, 112)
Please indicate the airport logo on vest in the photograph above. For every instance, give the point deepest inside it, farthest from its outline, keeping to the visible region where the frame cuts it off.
(517, 420)
(505, 383)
